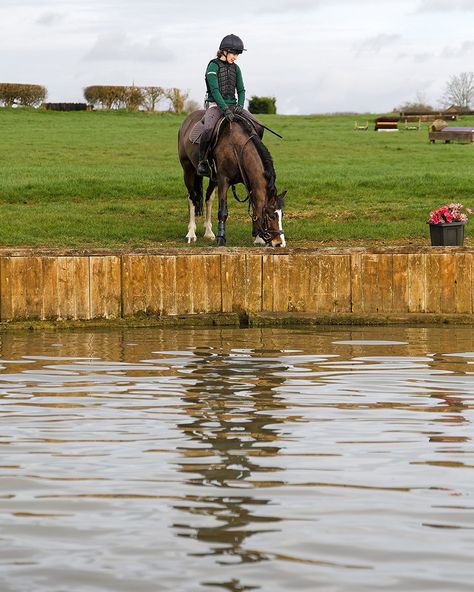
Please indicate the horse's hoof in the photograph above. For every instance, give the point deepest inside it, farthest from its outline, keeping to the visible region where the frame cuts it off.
(220, 241)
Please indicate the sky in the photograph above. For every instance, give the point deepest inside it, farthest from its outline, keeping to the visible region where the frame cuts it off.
(313, 56)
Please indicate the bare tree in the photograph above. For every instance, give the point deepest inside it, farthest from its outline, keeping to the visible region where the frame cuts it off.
(460, 90)
(152, 95)
(133, 97)
(177, 99)
(191, 105)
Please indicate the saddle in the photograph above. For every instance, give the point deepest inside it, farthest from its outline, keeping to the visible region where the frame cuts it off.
(198, 128)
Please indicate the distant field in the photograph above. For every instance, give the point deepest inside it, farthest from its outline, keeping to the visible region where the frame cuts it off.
(113, 179)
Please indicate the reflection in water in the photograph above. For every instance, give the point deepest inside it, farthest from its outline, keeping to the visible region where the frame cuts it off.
(273, 460)
(232, 427)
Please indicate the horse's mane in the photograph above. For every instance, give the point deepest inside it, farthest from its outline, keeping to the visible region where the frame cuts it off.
(263, 152)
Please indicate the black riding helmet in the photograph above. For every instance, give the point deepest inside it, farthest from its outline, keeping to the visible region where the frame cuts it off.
(232, 43)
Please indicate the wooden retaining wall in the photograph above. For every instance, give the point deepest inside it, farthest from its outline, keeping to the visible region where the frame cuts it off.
(48, 285)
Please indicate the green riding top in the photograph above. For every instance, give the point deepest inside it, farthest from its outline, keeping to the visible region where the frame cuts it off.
(225, 93)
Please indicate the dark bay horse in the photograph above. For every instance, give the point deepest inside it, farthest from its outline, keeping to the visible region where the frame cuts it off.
(239, 157)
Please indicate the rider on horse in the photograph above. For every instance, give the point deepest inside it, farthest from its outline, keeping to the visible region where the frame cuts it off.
(223, 81)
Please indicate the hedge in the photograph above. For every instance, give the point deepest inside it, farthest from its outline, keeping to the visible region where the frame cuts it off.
(262, 105)
(28, 95)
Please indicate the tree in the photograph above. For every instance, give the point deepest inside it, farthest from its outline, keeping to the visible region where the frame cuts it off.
(177, 99)
(419, 105)
(262, 105)
(29, 95)
(152, 95)
(191, 105)
(133, 97)
(460, 90)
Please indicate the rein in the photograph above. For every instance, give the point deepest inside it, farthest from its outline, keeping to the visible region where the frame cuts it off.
(242, 174)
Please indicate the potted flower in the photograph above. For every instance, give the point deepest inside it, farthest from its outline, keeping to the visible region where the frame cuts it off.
(447, 225)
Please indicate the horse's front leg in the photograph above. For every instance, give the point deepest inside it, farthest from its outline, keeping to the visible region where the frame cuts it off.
(191, 236)
(222, 187)
(208, 221)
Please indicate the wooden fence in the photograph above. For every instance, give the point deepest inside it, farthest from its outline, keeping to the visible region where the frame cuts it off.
(42, 285)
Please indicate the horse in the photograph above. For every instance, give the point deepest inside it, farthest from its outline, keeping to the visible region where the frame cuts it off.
(239, 156)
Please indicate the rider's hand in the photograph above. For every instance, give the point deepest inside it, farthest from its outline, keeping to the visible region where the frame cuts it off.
(229, 115)
(238, 109)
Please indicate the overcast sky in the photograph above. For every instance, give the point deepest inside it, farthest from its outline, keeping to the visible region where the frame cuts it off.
(314, 56)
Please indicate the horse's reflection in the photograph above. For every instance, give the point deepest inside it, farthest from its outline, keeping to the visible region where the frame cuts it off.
(233, 432)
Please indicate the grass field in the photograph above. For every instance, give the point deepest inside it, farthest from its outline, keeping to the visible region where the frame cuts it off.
(113, 179)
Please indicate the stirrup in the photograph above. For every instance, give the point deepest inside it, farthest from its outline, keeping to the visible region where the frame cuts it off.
(203, 169)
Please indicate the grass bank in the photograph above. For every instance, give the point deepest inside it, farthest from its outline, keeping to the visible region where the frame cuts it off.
(113, 179)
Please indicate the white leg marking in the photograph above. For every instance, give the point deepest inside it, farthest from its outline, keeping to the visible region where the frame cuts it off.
(191, 236)
(280, 227)
(259, 241)
(208, 221)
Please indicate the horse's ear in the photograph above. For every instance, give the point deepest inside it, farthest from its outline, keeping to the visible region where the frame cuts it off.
(281, 198)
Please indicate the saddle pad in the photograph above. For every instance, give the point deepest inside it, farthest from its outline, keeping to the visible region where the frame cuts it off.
(196, 132)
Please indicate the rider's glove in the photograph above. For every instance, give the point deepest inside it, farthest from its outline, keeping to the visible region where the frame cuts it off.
(229, 115)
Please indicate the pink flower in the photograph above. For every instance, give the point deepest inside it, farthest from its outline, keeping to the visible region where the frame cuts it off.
(449, 213)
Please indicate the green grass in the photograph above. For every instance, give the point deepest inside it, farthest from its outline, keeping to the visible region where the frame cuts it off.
(113, 179)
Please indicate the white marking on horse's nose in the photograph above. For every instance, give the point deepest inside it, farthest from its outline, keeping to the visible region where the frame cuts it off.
(280, 228)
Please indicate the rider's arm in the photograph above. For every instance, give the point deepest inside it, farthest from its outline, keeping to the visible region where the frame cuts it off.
(240, 87)
(212, 81)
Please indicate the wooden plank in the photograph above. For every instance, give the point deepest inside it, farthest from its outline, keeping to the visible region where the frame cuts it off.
(6, 289)
(198, 283)
(357, 305)
(342, 283)
(463, 283)
(447, 278)
(105, 287)
(253, 283)
(213, 283)
(400, 288)
(33, 287)
(299, 282)
(416, 280)
(77, 273)
(156, 288)
(312, 282)
(322, 296)
(385, 283)
(135, 284)
(65, 288)
(233, 274)
(141, 284)
(184, 282)
(169, 304)
(281, 279)
(22, 288)
(268, 282)
(50, 296)
(433, 267)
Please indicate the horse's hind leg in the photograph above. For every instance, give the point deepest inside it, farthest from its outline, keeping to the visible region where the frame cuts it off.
(208, 221)
(194, 186)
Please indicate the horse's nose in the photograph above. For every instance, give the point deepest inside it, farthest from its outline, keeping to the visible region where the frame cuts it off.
(279, 241)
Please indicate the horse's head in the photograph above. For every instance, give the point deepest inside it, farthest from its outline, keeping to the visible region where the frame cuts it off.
(270, 227)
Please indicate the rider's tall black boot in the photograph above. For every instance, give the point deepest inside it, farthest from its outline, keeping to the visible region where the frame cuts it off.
(203, 168)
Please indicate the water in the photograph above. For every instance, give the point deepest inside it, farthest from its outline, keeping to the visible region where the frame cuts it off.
(327, 459)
